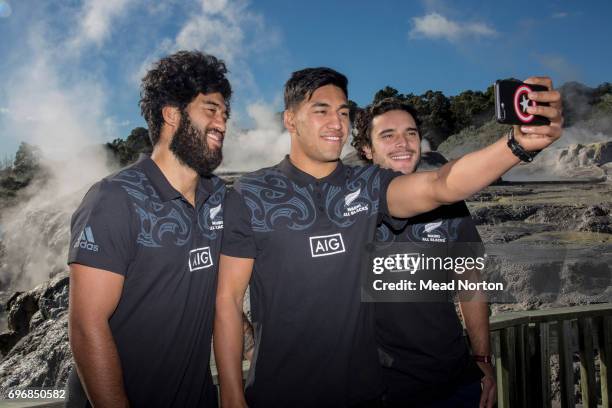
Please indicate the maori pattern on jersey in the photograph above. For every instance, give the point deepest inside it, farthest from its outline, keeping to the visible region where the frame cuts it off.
(276, 202)
(384, 233)
(364, 193)
(212, 211)
(157, 220)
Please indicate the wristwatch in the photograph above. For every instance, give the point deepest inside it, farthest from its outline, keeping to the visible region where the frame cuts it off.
(482, 359)
(518, 150)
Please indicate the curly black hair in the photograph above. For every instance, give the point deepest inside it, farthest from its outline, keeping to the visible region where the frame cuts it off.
(362, 128)
(176, 80)
(303, 83)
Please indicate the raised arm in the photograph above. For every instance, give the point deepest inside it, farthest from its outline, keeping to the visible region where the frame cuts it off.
(416, 193)
(94, 294)
(234, 276)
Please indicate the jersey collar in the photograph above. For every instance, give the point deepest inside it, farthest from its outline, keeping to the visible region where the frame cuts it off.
(337, 177)
(163, 187)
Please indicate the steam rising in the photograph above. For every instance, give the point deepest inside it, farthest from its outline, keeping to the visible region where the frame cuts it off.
(58, 103)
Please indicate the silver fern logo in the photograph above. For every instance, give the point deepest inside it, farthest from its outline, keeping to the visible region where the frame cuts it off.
(349, 207)
(432, 226)
(433, 233)
(213, 213)
(349, 198)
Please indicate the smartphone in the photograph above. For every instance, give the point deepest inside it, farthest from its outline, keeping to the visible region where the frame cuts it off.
(511, 103)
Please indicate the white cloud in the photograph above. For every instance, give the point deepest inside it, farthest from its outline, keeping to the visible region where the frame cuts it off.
(4, 111)
(226, 29)
(95, 21)
(436, 26)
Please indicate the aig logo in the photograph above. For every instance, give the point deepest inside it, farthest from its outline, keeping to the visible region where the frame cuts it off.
(200, 258)
(326, 245)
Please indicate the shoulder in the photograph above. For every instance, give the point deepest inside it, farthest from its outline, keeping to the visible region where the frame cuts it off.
(372, 174)
(260, 178)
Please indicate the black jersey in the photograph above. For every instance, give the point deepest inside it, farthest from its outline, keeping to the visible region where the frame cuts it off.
(135, 224)
(314, 345)
(422, 347)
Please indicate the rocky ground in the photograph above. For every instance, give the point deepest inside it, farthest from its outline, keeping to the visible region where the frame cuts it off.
(562, 230)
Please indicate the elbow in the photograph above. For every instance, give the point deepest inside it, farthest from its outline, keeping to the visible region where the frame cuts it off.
(228, 303)
(83, 332)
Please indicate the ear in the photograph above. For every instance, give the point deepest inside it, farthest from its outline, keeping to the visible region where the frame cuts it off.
(367, 151)
(172, 116)
(289, 120)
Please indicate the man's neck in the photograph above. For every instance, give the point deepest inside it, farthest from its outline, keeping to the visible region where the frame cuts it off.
(316, 169)
(183, 178)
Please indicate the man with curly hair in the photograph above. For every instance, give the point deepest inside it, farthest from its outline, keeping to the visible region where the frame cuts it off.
(424, 357)
(144, 251)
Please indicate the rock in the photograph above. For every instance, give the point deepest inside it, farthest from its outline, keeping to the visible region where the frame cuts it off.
(596, 218)
(36, 320)
(496, 214)
(47, 301)
(54, 299)
(21, 307)
(37, 355)
(40, 359)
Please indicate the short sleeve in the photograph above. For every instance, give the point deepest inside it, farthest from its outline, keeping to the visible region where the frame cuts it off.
(238, 240)
(101, 233)
(385, 177)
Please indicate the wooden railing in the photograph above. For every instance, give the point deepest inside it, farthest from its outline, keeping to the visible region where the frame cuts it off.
(524, 342)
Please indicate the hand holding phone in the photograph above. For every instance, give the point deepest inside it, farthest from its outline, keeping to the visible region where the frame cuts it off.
(512, 101)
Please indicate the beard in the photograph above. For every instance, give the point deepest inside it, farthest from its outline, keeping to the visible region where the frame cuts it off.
(191, 149)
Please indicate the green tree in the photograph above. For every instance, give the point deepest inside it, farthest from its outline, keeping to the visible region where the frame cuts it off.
(127, 151)
(27, 161)
(386, 92)
(471, 108)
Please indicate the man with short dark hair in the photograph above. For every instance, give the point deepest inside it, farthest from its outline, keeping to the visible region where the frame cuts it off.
(295, 231)
(144, 251)
(425, 359)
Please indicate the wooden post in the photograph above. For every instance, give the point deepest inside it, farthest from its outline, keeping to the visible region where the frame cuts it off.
(501, 371)
(544, 348)
(588, 385)
(509, 356)
(523, 372)
(605, 358)
(566, 364)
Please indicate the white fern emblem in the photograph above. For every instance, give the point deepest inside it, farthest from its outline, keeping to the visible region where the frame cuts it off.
(432, 226)
(349, 198)
(214, 211)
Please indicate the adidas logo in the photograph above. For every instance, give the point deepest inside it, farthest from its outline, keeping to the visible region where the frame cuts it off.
(86, 240)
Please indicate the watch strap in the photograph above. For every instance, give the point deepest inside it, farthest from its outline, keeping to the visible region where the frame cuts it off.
(518, 150)
(482, 359)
